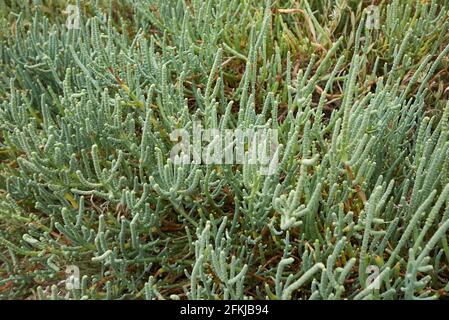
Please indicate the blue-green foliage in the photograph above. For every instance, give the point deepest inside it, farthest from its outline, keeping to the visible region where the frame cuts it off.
(362, 179)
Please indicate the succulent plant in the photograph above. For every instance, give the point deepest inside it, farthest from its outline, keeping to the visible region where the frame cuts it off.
(86, 178)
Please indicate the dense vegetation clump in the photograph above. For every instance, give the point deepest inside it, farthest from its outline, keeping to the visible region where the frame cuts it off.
(359, 105)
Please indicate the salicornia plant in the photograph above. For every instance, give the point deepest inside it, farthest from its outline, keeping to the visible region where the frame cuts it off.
(88, 181)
